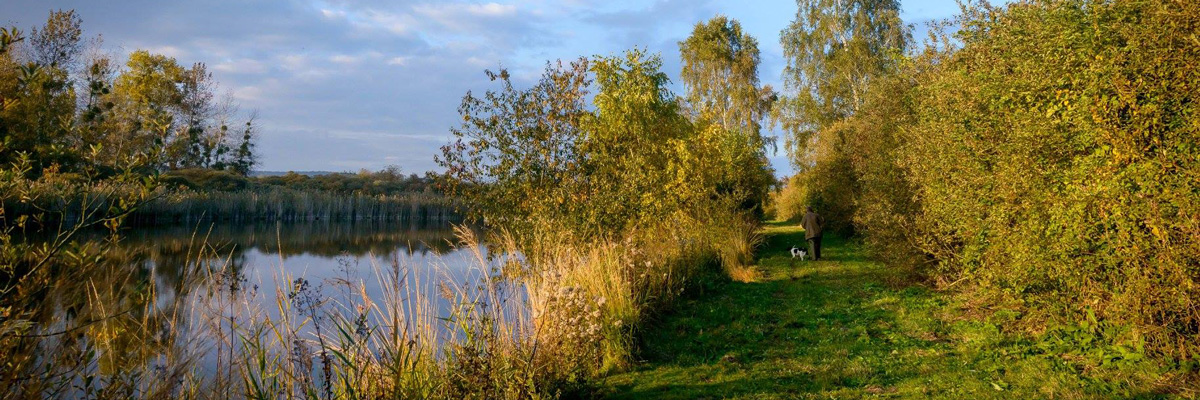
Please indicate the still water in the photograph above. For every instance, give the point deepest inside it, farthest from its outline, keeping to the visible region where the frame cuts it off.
(179, 289)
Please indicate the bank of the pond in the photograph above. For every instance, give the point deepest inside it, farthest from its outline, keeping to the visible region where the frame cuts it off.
(848, 327)
(321, 310)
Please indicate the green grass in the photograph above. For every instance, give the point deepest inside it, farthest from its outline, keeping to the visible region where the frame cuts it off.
(848, 327)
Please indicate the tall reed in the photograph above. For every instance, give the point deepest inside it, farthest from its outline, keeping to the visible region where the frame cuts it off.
(171, 206)
(525, 321)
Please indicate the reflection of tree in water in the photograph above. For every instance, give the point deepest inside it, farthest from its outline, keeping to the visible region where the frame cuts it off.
(129, 305)
(324, 239)
(105, 307)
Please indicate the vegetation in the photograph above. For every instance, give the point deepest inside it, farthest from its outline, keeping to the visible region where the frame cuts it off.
(720, 75)
(855, 328)
(624, 204)
(188, 196)
(71, 110)
(545, 323)
(388, 181)
(1026, 184)
(1040, 159)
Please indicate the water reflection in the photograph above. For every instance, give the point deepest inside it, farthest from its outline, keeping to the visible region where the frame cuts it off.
(163, 298)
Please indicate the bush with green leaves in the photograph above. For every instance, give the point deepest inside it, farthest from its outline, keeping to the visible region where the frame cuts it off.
(1047, 155)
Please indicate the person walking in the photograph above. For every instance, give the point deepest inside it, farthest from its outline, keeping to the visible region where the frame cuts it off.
(813, 225)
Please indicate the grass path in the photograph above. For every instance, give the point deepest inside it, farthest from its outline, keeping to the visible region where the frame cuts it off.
(843, 327)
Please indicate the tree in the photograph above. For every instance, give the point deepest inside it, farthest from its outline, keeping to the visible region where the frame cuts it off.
(834, 48)
(59, 42)
(720, 76)
(524, 157)
(244, 157)
(146, 95)
(193, 147)
(638, 146)
(514, 153)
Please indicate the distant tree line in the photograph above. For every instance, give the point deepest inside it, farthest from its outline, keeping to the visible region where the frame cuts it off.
(67, 107)
(388, 181)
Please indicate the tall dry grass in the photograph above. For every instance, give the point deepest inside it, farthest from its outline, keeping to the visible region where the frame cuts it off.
(534, 321)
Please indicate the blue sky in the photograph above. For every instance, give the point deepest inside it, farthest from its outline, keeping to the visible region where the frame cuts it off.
(349, 84)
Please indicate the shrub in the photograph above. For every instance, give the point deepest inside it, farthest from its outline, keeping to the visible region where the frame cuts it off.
(1050, 159)
(206, 179)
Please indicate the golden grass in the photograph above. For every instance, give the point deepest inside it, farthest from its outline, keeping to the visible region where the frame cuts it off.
(540, 321)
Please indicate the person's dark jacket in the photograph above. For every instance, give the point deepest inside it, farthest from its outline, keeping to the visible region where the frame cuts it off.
(813, 225)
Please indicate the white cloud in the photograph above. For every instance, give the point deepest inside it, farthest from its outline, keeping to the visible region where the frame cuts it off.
(169, 51)
(332, 14)
(241, 66)
(400, 24)
(294, 62)
(492, 9)
(248, 94)
(453, 13)
(345, 59)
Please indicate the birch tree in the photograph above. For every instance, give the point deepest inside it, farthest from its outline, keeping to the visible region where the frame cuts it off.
(720, 77)
(833, 49)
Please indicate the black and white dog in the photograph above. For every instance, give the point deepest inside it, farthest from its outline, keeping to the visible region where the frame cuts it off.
(797, 252)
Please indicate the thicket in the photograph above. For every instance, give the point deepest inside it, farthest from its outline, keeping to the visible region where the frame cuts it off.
(619, 207)
(1043, 158)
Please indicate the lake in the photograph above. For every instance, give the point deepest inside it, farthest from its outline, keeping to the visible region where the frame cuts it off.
(186, 295)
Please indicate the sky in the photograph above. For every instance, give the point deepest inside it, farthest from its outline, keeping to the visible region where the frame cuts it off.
(342, 85)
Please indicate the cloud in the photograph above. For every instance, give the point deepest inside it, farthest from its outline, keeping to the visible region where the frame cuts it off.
(241, 66)
(451, 14)
(367, 83)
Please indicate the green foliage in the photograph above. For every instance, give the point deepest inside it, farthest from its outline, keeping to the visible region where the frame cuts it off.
(1067, 130)
(787, 201)
(720, 74)
(853, 328)
(636, 146)
(1046, 155)
(836, 50)
(64, 112)
(515, 156)
(388, 181)
(539, 154)
(206, 179)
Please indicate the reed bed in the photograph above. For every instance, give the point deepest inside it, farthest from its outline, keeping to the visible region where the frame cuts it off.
(70, 200)
(283, 204)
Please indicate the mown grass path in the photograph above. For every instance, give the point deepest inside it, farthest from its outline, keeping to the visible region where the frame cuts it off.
(844, 327)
